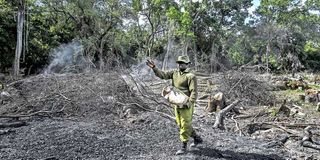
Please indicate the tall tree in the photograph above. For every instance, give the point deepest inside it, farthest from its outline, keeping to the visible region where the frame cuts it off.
(292, 25)
(20, 23)
(216, 23)
(7, 35)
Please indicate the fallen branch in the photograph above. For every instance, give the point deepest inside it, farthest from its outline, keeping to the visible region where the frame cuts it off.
(244, 116)
(309, 144)
(58, 87)
(64, 97)
(144, 93)
(146, 109)
(237, 125)
(290, 125)
(261, 113)
(32, 114)
(220, 115)
(290, 131)
(156, 84)
(307, 139)
(266, 125)
(95, 93)
(12, 124)
(234, 85)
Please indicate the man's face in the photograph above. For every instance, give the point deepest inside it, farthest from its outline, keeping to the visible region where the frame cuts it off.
(182, 66)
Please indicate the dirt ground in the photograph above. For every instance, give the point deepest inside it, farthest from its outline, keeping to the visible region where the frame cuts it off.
(100, 116)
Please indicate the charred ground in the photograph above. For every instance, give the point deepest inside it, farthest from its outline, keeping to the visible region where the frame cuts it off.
(102, 116)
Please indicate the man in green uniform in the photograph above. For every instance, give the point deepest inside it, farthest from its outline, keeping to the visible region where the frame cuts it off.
(184, 80)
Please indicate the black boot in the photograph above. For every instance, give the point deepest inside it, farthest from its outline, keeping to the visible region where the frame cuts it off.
(196, 140)
(183, 149)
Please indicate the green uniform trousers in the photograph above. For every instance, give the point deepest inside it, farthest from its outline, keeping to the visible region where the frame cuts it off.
(184, 121)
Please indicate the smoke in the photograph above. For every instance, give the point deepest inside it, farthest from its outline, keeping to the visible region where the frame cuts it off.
(142, 71)
(170, 62)
(67, 58)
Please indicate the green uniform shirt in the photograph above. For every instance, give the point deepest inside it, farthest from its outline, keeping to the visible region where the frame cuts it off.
(185, 81)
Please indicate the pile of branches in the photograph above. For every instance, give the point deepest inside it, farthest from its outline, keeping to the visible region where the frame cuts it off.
(65, 95)
(245, 86)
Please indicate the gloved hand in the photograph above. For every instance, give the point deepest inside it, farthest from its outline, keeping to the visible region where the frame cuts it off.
(150, 63)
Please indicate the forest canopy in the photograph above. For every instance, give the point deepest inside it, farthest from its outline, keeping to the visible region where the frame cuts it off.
(105, 34)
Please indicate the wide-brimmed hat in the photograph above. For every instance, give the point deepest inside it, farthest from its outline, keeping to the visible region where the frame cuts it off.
(183, 59)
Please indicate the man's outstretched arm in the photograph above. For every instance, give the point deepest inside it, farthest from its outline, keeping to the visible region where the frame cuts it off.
(159, 73)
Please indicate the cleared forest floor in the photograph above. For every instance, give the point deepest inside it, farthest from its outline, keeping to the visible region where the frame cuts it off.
(106, 116)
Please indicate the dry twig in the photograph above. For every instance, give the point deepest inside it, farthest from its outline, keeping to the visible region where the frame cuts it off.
(143, 92)
(237, 125)
(146, 109)
(32, 114)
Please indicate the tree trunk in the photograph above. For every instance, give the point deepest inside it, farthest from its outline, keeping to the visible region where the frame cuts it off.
(20, 23)
(169, 47)
(213, 59)
(267, 55)
(101, 64)
(195, 57)
(185, 46)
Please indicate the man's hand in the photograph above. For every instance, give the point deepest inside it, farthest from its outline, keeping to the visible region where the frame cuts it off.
(150, 63)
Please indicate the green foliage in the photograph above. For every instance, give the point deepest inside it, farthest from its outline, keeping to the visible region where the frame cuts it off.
(312, 55)
(7, 35)
(158, 2)
(186, 23)
(273, 111)
(173, 13)
(137, 6)
(314, 86)
(183, 21)
(236, 55)
(272, 60)
(110, 29)
(312, 48)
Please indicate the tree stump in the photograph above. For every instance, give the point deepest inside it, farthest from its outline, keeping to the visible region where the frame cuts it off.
(216, 102)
